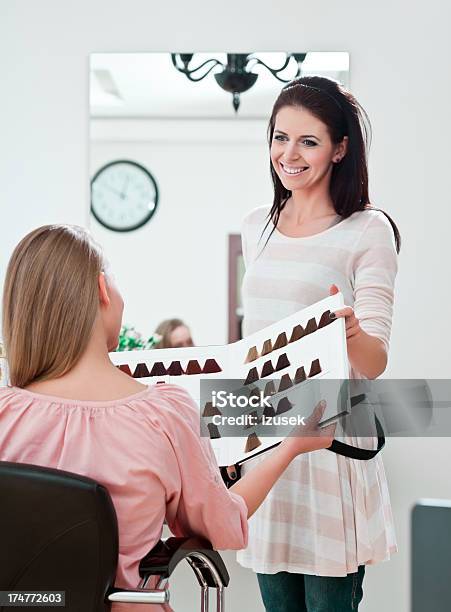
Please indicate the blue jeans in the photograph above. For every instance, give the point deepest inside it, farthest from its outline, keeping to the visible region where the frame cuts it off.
(287, 592)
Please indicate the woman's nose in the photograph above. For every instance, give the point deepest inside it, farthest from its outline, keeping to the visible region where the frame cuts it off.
(292, 153)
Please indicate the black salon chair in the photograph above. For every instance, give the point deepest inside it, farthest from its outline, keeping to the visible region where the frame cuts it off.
(58, 532)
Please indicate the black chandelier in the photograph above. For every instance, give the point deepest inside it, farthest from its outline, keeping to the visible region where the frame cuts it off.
(236, 76)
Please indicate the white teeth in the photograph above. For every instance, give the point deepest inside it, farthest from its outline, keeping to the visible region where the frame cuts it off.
(293, 170)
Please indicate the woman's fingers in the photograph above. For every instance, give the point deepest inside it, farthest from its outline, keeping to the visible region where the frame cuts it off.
(333, 290)
(311, 423)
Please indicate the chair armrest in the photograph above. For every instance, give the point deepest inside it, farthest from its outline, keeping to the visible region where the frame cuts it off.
(138, 596)
(166, 555)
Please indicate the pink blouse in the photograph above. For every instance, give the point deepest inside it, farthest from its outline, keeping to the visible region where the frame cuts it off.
(145, 449)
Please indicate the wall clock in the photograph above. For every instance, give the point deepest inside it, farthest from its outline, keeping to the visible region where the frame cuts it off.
(124, 196)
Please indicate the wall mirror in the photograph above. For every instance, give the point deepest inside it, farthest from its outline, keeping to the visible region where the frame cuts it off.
(176, 162)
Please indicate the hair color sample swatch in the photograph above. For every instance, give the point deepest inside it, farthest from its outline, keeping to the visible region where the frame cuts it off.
(297, 333)
(214, 431)
(267, 347)
(280, 342)
(269, 411)
(270, 388)
(285, 383)
(282, 362)
(158, 369)
(267, 369)
(284, 405)
(211, 410)
(124, 368)
(211, 367)
(315, 368)
(252, 354)
(311, 326)
(175, 369)
(252, 443)
(252, 376)
(325, 319)
(300, 376)
(193, 367)
(141, 371)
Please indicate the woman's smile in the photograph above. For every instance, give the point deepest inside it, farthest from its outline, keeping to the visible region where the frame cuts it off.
(292, 170)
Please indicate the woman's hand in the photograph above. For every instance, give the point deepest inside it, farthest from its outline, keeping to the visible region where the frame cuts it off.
(310, 437)
(255, 485)
(352, 323)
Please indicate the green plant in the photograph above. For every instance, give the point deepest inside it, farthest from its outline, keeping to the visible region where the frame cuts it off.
(131, 340)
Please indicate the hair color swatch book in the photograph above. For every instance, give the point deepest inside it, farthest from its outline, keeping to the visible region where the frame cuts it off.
(282, 362)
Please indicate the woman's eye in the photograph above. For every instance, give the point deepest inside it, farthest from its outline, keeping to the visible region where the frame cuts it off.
(279, 137)
(309, 143)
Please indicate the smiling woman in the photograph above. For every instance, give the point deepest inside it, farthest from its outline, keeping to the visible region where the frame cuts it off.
(329, 516)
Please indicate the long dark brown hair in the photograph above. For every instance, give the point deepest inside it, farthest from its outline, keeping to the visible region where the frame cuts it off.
(342, 114)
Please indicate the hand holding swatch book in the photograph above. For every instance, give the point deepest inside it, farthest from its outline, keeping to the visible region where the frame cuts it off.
(271, 379)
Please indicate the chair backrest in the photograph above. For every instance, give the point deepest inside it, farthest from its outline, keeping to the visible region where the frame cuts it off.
(58, 532)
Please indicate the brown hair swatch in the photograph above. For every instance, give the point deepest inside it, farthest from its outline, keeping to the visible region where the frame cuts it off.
(281, 341)
(252, 443)
(297, 333)
(267, 369)
(252, 376)
(158, 369)
(141, 371)
(175, 369)
(125, 368)
(267, 347)
(252, 354)
(269, 411)
(300, 375)
(270, 388)
(315, 368)
(284, 405)
(285, 383)
(193, 367)
(282, 362)
(325, 319)
(214, 431)
(211, 367)
(211, 410)
(311, 326)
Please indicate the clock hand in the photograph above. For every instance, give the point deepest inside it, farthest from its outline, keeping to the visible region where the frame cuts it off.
(116, 191)
(124, 189)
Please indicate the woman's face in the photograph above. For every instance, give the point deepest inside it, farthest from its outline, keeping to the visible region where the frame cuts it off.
(302, 151)
(181, 337)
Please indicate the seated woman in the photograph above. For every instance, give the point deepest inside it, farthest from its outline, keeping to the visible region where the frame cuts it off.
(70, 408)
(173, 333)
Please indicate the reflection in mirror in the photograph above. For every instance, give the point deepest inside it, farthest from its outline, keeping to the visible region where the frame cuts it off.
(194, 161)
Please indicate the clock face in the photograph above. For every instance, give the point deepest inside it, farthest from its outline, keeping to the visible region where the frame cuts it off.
(124, 196)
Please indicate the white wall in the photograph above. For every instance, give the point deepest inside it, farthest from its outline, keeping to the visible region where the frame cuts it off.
(399, 70)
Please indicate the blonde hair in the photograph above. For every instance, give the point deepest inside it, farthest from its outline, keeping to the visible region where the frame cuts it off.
(50, 302)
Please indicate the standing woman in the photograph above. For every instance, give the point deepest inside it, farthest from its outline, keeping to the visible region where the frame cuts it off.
(329, 515)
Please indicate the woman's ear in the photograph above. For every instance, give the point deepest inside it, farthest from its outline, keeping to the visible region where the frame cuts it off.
(104, 298)
(342, 149)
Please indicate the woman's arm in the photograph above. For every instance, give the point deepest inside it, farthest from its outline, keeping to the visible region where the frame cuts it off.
(367, 354)
(256, 484)
(373, 275)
